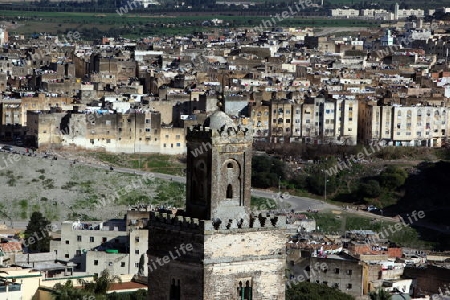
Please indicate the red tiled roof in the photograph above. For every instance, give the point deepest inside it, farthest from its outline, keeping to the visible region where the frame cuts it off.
(11, 247)
(126, 286)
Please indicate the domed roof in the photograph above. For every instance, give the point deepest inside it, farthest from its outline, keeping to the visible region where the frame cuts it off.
(218, 119)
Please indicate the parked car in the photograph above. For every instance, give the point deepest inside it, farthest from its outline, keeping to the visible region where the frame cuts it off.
(7, 148)
(371, 207)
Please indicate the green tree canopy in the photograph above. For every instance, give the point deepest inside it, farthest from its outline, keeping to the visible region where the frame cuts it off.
(314, 291)
(37, 234)
(67, 291)
(370, 189)
(380, 295)
(393, 177)
(101, 283)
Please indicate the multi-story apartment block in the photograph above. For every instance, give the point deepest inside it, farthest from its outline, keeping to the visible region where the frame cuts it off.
(345, 13)
(281, 119)
(342, 272)
(116, 245)
(13, 110)
(326, 120)
(260, 116)
(296, 122)
(404, 125)
(134, 132)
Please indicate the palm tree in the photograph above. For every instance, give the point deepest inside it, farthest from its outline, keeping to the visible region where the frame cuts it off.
(380, 294)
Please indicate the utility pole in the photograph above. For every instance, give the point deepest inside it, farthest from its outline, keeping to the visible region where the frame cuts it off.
(279, 185)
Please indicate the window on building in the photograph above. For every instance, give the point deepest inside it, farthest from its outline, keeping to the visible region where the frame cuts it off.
(108, 141)
(147, 121)
(175, 293)
(122, 264)
(77, 252)
(164, 145)
(336, 271)
(78, 238)
(349, 272)
(66, 255)
(177, 137)
(136, 265)
(136, 251)
(103, 240)
(336, 285)
(244, 291)
(91, 141)
(229, 191)
(95, 262)
(91, 239)
(349, 286)
(137, 239)
(178, 145)
(67, 242)
(325, 282)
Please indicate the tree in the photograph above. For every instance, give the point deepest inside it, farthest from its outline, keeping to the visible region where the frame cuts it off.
(141, 265)
(37, 234)
(101, 283)
(393, 177)
(67, 291)
(314, 291)
(370, 189)
(380, 295)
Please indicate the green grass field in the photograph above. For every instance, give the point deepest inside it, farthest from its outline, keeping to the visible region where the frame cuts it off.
(94, 25)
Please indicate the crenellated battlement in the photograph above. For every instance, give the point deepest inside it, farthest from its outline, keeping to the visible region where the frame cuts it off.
(260, 222)
(183, 223)
(240, 132)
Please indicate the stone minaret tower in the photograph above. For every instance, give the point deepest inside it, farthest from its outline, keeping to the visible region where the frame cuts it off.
(234, 254)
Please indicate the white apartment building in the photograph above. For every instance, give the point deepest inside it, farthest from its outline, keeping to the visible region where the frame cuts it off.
(330, 121)
(344, 13)
(404, 125)
(370, 13)
(116, 245)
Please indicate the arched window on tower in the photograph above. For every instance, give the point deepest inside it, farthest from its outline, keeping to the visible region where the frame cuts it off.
(230, 166)
(229, 191)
